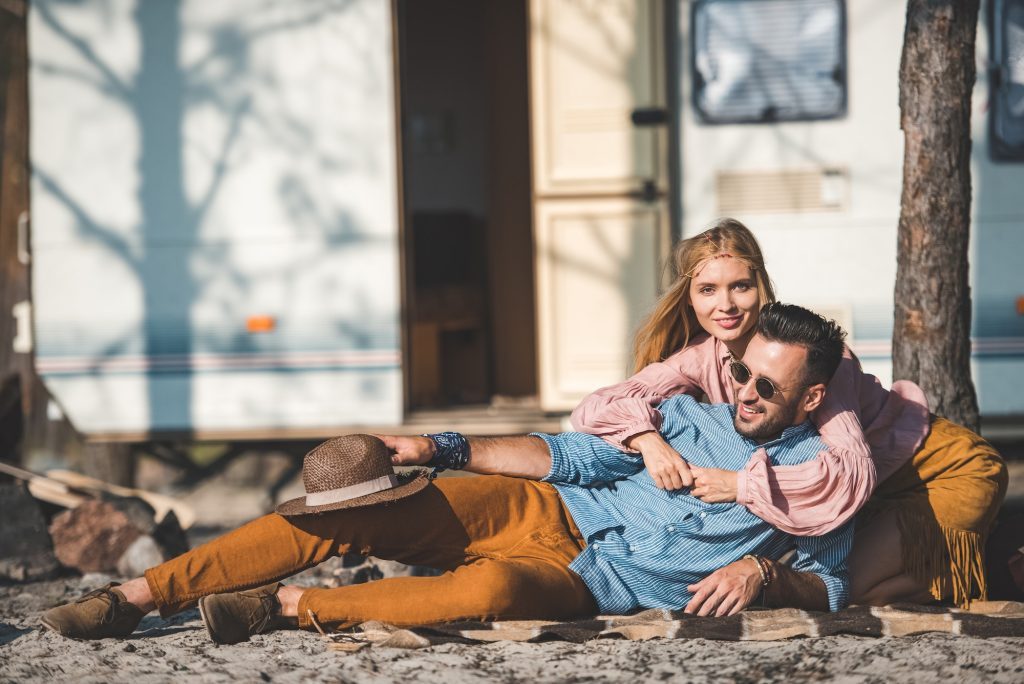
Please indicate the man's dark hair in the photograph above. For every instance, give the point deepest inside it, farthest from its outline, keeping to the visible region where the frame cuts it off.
(823, 339)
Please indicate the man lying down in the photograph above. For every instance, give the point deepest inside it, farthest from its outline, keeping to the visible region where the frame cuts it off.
(560, 526)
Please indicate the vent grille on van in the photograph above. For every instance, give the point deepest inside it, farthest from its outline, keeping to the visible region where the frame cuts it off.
(753, 192)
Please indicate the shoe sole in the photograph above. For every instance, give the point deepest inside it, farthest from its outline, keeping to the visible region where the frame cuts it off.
(56, 630)
(50, 627)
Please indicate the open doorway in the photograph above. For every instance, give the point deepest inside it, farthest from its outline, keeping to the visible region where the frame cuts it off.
(469, 288)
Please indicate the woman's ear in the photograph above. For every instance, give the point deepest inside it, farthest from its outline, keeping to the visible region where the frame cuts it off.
(813, 396)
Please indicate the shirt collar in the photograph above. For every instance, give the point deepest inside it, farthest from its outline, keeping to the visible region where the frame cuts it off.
(793, 432)
(722, 352)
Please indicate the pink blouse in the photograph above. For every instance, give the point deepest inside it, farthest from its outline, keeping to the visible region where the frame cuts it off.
(870, 432)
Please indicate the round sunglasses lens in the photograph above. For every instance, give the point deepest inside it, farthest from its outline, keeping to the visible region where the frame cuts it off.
(765, 388)
(740, 373)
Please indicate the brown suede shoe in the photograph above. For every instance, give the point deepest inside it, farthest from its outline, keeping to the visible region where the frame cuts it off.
(100, 614)
(233, 618)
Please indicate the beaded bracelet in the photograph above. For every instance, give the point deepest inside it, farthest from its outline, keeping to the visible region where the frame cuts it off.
(451, 452)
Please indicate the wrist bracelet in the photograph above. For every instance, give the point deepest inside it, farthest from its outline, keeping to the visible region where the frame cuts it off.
(763, 569)
(451, 452)
(770, 569)
(767, 573)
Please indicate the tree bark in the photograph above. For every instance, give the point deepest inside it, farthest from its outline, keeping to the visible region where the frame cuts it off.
(109, 461)
(931, 332)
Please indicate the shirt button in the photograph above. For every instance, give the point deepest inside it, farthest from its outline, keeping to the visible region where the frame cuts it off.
(703, 514)
(597, 547)
(671, 528)
(632, 549)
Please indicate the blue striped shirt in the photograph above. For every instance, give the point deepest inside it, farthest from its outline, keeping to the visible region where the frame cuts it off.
(646, 545)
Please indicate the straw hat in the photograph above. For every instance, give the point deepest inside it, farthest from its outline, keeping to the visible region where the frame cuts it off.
(348, 472)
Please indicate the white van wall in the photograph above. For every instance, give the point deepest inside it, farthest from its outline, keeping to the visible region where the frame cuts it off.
(214, 212)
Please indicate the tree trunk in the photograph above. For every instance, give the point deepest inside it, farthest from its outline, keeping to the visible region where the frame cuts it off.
(931, 333)
(109, 461)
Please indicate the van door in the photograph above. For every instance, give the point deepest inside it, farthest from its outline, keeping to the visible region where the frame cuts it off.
(601, 217)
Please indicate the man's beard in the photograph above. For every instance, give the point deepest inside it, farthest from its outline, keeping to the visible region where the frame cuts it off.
(768, 428)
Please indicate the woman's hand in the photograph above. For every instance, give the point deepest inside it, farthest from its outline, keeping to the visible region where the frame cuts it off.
(713, 485)
(664, 464)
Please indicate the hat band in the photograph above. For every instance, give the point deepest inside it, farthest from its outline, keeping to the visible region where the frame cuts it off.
(352, 491)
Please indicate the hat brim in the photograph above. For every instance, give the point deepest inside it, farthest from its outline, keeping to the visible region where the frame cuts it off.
(411, 482)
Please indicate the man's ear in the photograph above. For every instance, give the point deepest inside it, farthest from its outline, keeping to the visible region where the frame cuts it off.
(813, 396)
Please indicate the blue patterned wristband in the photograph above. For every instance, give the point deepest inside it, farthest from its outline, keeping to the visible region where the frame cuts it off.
(451, 451)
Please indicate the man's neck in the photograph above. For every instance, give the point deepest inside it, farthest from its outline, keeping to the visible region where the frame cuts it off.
(764, 440)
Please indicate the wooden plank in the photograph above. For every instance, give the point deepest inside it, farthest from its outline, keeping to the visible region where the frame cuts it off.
(44, 488)
(161, 503)
(69, 489)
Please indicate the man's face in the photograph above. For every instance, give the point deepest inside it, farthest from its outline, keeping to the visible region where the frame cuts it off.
(763, 419)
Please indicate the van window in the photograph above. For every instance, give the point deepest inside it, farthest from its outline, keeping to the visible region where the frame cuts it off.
(1006, 80)
(762, 61)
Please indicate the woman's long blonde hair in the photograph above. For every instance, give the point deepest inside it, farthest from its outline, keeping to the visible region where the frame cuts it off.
(672, 323)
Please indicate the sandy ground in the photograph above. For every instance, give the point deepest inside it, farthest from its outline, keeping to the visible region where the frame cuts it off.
(168, 650)
(180, 650)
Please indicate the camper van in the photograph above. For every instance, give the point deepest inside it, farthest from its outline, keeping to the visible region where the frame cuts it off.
(257, 219)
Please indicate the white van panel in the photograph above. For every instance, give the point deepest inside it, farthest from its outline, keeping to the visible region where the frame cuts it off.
(214, 210)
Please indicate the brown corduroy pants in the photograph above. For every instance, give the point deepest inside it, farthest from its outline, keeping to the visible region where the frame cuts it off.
(504, 545)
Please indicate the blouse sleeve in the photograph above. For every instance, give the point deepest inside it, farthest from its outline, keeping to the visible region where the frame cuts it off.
(618, 412)
(818, 496)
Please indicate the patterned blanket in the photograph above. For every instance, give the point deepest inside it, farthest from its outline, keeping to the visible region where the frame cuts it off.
(983, 619)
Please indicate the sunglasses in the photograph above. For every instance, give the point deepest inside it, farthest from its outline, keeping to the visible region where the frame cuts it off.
(741, 374)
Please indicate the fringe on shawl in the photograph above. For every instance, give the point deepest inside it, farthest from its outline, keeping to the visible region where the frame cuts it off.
(949, 561)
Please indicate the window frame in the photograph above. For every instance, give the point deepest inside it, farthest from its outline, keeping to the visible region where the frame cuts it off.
(704, 118)
(999, 150)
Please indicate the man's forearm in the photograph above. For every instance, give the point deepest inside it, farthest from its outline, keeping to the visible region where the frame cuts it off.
(521, 456)
(792, 589)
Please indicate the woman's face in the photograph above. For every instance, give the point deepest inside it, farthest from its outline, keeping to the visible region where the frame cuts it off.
(723, 294)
